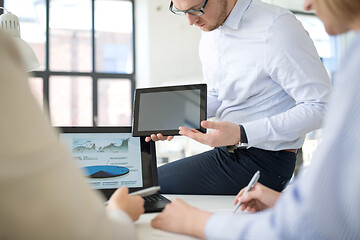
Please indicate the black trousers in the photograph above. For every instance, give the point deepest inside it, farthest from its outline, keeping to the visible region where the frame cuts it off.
(220, 172)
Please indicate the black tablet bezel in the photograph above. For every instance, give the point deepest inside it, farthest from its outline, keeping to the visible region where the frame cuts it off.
(169, 132)
(148, 155)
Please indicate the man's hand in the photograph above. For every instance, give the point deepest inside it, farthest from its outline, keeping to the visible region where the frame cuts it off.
(179, 217)
(257, 199)
(157, 137)
(132, 205)
(225, 134)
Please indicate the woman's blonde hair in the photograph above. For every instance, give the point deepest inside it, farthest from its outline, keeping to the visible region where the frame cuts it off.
(344, 9)
(8, 47)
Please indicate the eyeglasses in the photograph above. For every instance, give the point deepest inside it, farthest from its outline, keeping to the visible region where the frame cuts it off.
(195, 12)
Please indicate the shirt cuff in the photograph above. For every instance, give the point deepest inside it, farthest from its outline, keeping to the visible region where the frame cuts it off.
(255, 131)
(119, 216)
(230, 226)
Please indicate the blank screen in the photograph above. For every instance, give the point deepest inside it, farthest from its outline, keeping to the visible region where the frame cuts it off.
(169, 110)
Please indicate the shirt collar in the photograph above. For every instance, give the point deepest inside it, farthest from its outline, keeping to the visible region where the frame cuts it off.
(236, 14)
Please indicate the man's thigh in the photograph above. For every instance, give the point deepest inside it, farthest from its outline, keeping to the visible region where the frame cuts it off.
(212, 172)
(220, 172)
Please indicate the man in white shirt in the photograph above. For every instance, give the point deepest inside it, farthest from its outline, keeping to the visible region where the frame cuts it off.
(324, 202)
(267, 86)
(43, 192)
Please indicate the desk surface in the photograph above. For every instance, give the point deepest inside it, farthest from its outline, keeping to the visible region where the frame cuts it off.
(205, 202)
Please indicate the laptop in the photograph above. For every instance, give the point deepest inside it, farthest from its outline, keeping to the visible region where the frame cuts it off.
(111, 158)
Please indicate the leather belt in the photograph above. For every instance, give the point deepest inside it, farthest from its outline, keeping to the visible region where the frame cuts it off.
(291, 150)
(231, 149)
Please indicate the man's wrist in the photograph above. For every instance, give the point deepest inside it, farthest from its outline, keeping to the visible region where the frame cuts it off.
(243, 143)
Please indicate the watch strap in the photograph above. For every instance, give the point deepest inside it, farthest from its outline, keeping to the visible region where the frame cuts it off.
(243, 137)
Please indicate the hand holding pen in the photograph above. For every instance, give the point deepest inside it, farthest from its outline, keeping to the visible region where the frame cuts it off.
(252, 182)
(258, 198)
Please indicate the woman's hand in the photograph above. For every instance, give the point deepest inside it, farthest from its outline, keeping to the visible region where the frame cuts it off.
(132, 205)
(257, 199)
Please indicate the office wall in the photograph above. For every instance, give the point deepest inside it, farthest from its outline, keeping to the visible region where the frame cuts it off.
(290, 4)
(166, 46)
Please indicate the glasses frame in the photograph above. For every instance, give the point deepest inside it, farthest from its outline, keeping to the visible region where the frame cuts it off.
(190, 11)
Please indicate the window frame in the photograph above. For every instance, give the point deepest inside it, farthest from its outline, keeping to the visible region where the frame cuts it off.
(95, 76)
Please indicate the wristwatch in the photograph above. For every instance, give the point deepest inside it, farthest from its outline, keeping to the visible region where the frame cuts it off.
(243, 138)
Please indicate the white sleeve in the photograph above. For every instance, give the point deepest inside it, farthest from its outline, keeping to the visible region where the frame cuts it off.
(293, 63)
(212, 103)
(43, 193)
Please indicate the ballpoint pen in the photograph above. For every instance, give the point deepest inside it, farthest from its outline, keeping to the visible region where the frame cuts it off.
(252, 182)
(144, 192)
(147, 191)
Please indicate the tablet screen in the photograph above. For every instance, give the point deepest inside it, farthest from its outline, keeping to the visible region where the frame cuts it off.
(165, 109)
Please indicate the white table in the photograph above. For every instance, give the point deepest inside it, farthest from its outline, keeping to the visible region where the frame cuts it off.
(205, 202)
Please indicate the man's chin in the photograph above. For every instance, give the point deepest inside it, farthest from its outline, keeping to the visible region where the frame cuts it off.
(204, 29)
(207, 29)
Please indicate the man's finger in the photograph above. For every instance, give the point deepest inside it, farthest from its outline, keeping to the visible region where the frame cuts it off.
(161, 137)
(183, 130)
(211, 124)
(251, 195)
(196, 135)
(154, 137)
(239, 195)
(194, 131)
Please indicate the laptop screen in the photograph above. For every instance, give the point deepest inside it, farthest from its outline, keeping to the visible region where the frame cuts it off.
(111, 158)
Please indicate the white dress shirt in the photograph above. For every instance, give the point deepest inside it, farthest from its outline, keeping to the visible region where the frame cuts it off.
(263, 72)
(43, 192)
(325, 202)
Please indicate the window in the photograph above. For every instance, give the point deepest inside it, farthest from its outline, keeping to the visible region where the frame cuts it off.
(86, 54)
(326, 45)
(327, 48)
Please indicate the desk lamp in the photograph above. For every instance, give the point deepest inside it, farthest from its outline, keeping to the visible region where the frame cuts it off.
(10, 24)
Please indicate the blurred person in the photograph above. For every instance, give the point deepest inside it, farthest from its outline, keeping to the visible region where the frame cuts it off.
(266, 86)
(43, 192)
(324, 202)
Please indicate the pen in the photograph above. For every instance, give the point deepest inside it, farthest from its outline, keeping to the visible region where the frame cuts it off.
(144, 192)
(252, 182)
(147, 191)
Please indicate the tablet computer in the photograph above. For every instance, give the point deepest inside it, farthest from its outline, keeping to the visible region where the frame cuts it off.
(164, 109)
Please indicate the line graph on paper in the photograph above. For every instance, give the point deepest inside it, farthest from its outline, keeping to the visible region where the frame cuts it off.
(86, 145)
